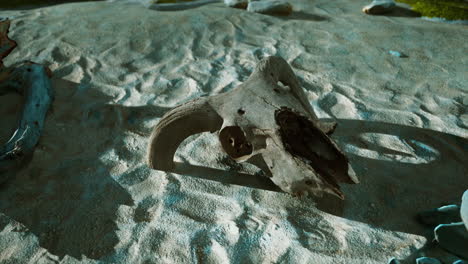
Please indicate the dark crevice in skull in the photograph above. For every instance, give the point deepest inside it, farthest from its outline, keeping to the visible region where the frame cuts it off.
(306, 141)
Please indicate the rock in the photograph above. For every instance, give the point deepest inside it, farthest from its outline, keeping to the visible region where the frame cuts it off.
(453, 238)
(275, 7)
(460, 262)
(393, 261)
(426, 260)
(237, 3)
(442, 215)
(378, 7)
(397, 54)
(464, 209)
(164, 1)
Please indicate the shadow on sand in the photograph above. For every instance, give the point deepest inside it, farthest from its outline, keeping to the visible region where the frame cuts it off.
(182, 5)
(295, 15)
(399, 11)
(66, 195)
(299, 15)
(393, 189)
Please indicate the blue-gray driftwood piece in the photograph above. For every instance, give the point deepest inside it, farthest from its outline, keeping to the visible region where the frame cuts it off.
(33, 82)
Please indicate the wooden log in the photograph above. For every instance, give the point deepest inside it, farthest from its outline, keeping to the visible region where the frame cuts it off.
(33, 82)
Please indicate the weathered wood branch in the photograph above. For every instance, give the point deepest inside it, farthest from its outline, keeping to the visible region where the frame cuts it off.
(33, 82)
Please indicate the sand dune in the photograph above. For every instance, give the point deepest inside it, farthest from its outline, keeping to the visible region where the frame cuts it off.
(87, 196)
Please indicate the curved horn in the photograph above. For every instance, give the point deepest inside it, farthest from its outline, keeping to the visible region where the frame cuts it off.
(178, 124)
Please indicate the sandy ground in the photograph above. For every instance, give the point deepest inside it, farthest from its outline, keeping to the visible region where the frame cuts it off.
(87, 196)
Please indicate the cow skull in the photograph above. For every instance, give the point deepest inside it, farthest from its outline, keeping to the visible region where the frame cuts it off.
(266, 121)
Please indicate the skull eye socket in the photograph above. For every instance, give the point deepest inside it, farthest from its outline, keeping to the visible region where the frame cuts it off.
(234, 142)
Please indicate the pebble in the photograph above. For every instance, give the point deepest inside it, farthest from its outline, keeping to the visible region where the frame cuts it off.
(275, 7)
(460, 262)
(453, 238)
(393, 261)
(426, 260)
(237, 3)
(378, 7)
(397, 54)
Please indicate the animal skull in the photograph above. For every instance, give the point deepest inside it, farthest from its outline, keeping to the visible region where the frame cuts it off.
(266, 121)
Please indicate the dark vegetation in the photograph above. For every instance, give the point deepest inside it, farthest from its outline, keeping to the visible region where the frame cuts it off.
(448, 9)
(35, 3)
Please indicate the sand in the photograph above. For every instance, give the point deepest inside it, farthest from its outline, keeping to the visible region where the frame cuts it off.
(88, 197)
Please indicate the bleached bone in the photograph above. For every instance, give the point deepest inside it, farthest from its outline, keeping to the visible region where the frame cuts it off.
(266, 121)
(33, 82)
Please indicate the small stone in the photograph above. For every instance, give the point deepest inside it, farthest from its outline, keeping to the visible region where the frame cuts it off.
(442, 215)
(393, 261)
(426, 260)
(460, 262)
(378, 7)
(397, 54)
(275, 7)
(237, 3)
(453, 238)
(464, 209)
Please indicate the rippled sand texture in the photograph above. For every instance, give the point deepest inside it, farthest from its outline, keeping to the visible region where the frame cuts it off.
(87, 194)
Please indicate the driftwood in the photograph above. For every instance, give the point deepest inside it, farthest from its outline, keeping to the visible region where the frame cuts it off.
(33, 82)
(266, 121)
